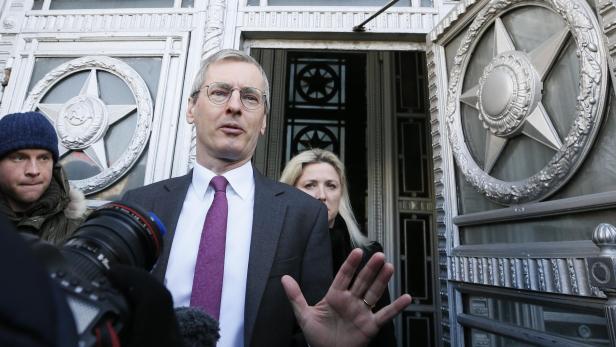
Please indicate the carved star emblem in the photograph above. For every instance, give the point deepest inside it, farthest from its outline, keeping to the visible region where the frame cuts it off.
(317, 139)
(317, 84)
(83, 121)
(508, 95)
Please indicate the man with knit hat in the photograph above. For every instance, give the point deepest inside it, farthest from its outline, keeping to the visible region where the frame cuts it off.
(34, 191)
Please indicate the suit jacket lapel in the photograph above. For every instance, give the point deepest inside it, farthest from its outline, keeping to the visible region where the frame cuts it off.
(268, 214)
(168, 209)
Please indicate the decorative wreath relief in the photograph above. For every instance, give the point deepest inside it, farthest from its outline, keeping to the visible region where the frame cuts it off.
(508, 99)
(83, 120)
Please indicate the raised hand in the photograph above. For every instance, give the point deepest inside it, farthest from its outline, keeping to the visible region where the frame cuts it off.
(344, 317)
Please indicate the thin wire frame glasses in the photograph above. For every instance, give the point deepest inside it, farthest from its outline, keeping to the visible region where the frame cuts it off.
(219, 93)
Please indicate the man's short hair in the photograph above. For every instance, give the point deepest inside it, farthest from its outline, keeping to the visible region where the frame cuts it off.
(27, 130)
(229, 55)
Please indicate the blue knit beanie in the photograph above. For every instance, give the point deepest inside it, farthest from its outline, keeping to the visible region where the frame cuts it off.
(27, 130)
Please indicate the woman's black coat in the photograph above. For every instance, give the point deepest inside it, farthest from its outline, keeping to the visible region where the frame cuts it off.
(341, 247)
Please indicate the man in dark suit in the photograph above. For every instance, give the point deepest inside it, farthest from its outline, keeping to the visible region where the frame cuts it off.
(270, 229)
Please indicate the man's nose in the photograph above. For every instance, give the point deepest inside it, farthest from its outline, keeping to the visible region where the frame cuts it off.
(235, 102)
(32, 168)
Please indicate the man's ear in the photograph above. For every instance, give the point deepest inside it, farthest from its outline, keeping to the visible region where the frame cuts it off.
(264, 124)
(190, 116)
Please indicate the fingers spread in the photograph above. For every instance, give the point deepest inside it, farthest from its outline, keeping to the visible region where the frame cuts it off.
(367, 275)
(375, 291)
(296, 298)
(347, 270)
(388, 312)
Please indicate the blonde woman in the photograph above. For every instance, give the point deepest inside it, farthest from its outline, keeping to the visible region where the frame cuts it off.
(321, 174)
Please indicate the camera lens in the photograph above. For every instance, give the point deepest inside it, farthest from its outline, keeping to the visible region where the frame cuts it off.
(115, 233)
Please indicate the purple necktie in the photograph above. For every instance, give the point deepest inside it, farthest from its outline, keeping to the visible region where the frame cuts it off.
(210, 267)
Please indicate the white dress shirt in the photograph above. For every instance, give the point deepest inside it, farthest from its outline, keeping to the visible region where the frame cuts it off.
(183, 256)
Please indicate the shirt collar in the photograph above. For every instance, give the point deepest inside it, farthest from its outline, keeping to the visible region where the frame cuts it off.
(240, 179)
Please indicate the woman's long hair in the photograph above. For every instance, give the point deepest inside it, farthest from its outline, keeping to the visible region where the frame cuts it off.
(293, 171)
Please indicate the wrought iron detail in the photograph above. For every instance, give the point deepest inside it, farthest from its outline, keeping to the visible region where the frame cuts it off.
(505, 70)
(315, 137)
(551, 275)
(415, 205)
(83, 120)
(317, 83)
(606, 12)
(435, 61)
(452, 18)
(604, 236)
(504, 102)
(602, 271)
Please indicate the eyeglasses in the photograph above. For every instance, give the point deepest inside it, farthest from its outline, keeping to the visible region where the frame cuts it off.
(219, 93)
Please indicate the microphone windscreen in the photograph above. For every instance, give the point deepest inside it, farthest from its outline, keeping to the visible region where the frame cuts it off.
(197, 328)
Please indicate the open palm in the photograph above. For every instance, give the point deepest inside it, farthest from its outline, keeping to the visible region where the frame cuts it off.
(343, 318)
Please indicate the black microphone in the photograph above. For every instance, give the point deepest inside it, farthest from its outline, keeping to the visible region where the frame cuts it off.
(197, 328)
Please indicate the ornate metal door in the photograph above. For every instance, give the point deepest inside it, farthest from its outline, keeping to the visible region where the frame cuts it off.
(523, 140)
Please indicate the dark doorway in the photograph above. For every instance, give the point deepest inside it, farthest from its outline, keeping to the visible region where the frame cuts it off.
(370, 108)
(326, 108)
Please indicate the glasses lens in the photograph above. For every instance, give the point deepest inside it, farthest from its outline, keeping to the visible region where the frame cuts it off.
(251, 97)
(219, 92)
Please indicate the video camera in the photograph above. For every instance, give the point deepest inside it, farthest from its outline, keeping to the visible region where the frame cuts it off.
(115, 233)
